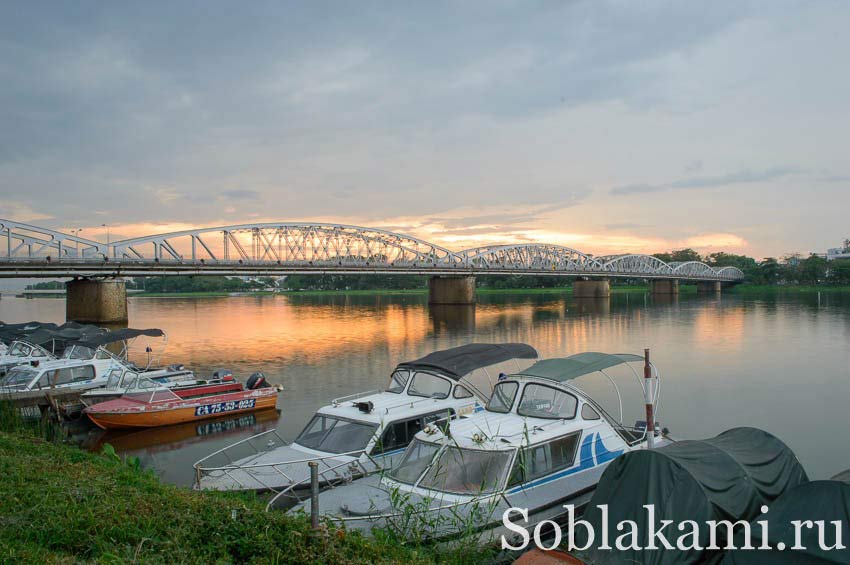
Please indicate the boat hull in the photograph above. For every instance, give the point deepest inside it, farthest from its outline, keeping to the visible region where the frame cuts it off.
(190, 411)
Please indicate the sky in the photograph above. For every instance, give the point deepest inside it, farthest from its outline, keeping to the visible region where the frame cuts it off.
(608, 127)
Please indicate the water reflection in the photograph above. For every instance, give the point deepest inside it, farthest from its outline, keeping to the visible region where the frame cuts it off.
(452, 318)
(776, 361)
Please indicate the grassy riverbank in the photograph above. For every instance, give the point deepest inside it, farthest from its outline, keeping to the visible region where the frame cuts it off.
(201, 294)
(800, 289)
(61, 504)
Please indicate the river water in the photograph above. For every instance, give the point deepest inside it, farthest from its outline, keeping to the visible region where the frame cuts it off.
(780, 362)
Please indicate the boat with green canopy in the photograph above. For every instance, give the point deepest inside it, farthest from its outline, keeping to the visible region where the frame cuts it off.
(541, 443)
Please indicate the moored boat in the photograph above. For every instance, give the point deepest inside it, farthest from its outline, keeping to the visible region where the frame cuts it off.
(159, 406)
(123, 380)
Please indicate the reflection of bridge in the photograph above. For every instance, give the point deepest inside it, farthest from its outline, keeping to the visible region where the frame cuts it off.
(287, 248)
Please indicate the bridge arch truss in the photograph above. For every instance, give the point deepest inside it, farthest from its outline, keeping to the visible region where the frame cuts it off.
(281, 248)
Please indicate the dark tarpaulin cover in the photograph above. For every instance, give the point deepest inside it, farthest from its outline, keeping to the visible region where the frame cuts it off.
(118, 335)
(818, 500)
(64, 333)
(728, 477)
(459, 361)
(11, 332)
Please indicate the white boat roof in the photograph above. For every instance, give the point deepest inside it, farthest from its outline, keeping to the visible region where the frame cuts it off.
(390, 406)
(494, 431)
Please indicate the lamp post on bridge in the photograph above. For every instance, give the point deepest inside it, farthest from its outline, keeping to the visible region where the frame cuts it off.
(76, 234)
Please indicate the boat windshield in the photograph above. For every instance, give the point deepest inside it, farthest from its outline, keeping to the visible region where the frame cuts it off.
(503, 397)
(19, 349)
(416, 459)
(398, 381)
(333, 435)
(114, 380)
(79, 352)
(142, 389)
(19, 377)
(467, 471)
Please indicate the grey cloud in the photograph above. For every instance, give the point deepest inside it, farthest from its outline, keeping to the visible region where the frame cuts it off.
(740, 177)
(122, 91)
(625, 226)
(239, 193)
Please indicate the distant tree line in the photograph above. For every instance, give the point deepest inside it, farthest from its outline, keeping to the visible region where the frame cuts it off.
(791, 269)
(354, 282)
(200, 284)
(47, 285)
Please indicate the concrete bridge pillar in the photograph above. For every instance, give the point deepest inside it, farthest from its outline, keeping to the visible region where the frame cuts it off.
(664, 286)
(600, 288)
(451, 290)
(709, 287)
(96, 301)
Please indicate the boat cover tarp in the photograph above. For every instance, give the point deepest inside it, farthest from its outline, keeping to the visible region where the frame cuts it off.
(574, 366)
(459, 361)
(76, 332)
(11, 332)
(119, 335)
(818, 500)
(727, 477)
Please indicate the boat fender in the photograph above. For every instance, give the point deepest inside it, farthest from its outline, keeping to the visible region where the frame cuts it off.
(255, 381)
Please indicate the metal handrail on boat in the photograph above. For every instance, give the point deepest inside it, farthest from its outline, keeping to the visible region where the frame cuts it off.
(290, 490)
(199, 469)
(274, 466)
(410, 403)
(337, 401)
(488, 497)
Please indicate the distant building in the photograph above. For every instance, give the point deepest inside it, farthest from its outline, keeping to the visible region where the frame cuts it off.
(839, 252)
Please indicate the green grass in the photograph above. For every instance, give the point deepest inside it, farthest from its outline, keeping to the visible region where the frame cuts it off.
(59, 504)
(383, 291)
(201, 294)
(754, 288)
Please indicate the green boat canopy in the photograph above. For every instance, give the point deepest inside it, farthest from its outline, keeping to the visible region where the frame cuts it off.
(574, 366)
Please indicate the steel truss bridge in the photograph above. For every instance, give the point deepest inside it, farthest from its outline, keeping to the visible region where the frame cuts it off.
(274, 249)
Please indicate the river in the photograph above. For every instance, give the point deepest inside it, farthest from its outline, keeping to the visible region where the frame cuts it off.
(780, 362)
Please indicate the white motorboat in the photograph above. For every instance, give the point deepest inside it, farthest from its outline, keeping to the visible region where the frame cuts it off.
(541, 443)
(20, 352)
(84, 365)
(363, 433)
(34, 342)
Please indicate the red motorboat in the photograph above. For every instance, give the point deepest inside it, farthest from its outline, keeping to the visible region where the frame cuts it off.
(160, 406)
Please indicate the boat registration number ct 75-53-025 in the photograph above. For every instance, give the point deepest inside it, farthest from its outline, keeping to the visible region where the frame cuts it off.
(221, 407)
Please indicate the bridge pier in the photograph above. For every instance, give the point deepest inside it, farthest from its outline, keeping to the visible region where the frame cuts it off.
(96, 301)
(451, 290)
(599, 288)
(709, 287)
(664, 286)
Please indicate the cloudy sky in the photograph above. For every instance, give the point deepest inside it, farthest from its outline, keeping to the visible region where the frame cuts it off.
(604, 126)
